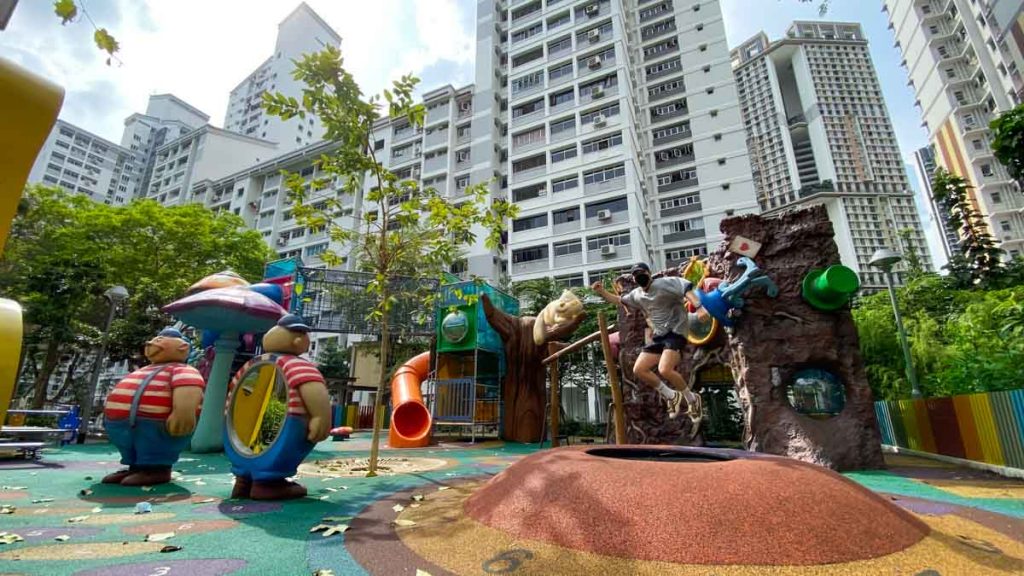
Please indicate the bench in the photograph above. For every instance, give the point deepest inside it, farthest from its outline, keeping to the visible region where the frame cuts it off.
(25, 433)
(29, 449)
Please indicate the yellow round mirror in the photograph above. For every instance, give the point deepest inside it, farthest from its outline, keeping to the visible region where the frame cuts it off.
(257, 409)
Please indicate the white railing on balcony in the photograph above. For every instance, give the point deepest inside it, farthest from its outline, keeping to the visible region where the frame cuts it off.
(436, 138)
(525, 118)
(564, 227)
(522, 175)
(437, 114)
(606, 186)
(530, 266)
(563, 135)
(435, 164)
(615, 218)
(567, 260)
(595, 256)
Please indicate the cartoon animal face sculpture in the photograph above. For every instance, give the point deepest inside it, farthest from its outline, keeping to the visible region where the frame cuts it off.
(557, 312)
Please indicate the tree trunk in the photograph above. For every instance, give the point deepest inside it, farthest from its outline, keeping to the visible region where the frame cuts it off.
(523, 387)
(43, 377)
(385, 341)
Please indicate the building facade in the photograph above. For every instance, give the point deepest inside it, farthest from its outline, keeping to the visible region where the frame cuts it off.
(924, 166)
(818, 132)
(624, 137)
(83, 163)
(167, 118)
(963, 60)
(301, 32)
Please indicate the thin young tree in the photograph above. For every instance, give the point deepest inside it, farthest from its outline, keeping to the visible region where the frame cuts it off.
(979, 260)
(406, 234)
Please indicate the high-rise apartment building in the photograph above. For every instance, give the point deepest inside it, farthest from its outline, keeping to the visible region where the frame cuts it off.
(84, 163)
(818, 132)
(963, 59)
(624, 136)
(167, 118)
(924, 165)
(301, 32)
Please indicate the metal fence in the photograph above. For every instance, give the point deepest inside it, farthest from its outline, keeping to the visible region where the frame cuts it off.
(339, 301)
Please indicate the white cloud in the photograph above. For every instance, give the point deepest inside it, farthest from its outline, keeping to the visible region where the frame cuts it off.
(200, 49)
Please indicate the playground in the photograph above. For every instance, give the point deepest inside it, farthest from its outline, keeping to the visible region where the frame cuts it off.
(946, 520)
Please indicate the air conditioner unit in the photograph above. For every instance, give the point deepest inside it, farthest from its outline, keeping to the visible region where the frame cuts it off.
(604, 214)
(594, 35)
(465, 105)
(592, 9)
(597, 92)
(594, 62)
(608, 250)
(282, 241)
(599, 121)
(663, 155)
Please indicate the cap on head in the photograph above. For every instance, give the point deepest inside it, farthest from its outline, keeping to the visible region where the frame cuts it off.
(295, 323)
(640, 266)
(171, 332)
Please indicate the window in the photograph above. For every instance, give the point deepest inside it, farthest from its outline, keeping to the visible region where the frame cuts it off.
(679, 202)
(558, 98)
(528, 164)
(568, 248)
(997, 198)
(986, 170)
(530, 254)
(558, 20)
(617, 239)
(699, 27)
(563, 154)
(526, 11)
(604, 174)
(614, 206)
(683, 254)
(655, 10)
(528, 82)
(560, 71)
(669, 131)
(530, 222)
(602, 143)
(564, 184)
(535, 136)
(528, 193)
(683, 225)
(523, 34)
(316, 249)
(665, 89)
(606, 111)
(595, 33)
(662, 68)
(560, 45)
(570, 281)
(655, 50)
(559, 126)
(1004, 225)
(658, 28)
(673, 108)
(527, 57)
(461, 182)
(565, 216)
(528, 108)
(462, 132)
(462, 156)
(976, 144)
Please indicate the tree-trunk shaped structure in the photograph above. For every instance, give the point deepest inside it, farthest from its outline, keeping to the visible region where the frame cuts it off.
(524, 384)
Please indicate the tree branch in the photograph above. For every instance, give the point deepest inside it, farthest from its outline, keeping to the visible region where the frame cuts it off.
(505, 324)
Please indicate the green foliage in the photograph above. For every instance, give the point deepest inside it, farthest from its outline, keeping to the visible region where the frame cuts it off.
(67, 11)
(332, 360)
(962, 340)
(405, 230)
(273, 420)
(65, 251)
(978, 262)
(1008, 141)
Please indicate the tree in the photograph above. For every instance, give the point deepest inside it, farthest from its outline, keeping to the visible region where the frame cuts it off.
(405, 231)
(65, 251)
(822, 5)
(333, 361)
(915, 266)
(1008, 141)
(979, 260)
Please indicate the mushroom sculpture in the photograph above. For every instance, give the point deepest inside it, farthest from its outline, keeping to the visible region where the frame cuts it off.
(230, 312)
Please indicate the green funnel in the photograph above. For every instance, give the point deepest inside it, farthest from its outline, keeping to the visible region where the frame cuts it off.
(831, 288)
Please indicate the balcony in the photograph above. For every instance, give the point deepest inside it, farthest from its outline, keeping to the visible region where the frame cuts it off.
(586, 69)
(527, 118)
(405, 136)
(535, 88)
(463, 138)
(671, 160)
(435, 138)
(560, 51)
(523, 175)
(435, 164)
(677, 185)
(683, 235)
(530, 266)
(681, 135)
(437, 114)
(568, 260)
(596, 257)
(440, 185)
(563, 135)
(538, 143)
(565, 227)
(677, 210)
(618, 217)
(605, 93)
(464, 112)
(606, 186)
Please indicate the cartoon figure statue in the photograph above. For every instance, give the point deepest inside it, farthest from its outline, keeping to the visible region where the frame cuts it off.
(150, 415)
(262, 465)
(560, 311)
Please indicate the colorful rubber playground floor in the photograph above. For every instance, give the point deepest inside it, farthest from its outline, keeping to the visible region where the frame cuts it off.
(66, 522)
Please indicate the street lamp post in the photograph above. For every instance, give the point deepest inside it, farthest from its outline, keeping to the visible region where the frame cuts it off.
(115, 296)
(884, 259)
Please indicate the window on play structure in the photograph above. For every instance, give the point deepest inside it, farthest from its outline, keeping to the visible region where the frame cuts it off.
(817, 393)
(257, 409)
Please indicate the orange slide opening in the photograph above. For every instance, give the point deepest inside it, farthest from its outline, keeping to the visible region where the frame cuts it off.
(410, 420)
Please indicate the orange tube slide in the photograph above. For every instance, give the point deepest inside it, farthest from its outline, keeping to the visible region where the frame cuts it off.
(410, 420)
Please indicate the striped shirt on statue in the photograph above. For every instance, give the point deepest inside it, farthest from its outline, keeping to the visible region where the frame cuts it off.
(157, 398)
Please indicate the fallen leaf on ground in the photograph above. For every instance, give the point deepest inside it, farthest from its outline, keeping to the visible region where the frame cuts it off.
(206, 500)
(62, 538)
(143, 508)
(323, 572)
(414, 505)
(200, 483)
(42, 500)
(422, 572)
(6, 538)
(398, 507)
(7, 509)
(449, 473)
(417, 497)
(170, 548)
(403, 522)
(147, 488)
(339, 529)
(159, 536)
(441, 488)
(325, 497)
(336, 518)
(15, 487)
(85, 492)
(329, 489)
(96, 510)
(77, 519)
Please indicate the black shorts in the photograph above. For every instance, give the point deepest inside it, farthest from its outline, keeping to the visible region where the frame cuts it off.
(669, 340)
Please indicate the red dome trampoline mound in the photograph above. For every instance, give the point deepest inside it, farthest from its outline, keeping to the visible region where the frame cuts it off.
(692, 506)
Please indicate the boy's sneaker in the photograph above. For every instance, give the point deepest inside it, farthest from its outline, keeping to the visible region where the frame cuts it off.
(675, 404)
(693, 407)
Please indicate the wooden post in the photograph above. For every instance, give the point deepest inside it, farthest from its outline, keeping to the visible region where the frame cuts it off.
(613, 379)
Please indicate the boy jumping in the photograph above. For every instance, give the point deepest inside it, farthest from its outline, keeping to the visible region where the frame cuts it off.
(661, 300)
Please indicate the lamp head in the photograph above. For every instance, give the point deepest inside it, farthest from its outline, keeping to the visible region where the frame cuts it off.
(884, 259)
(117, 294)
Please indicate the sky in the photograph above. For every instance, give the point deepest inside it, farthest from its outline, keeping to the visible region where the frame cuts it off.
(200, 50)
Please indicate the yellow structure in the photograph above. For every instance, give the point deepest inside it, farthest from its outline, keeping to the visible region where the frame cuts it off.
(251, 403)
(29, 106)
